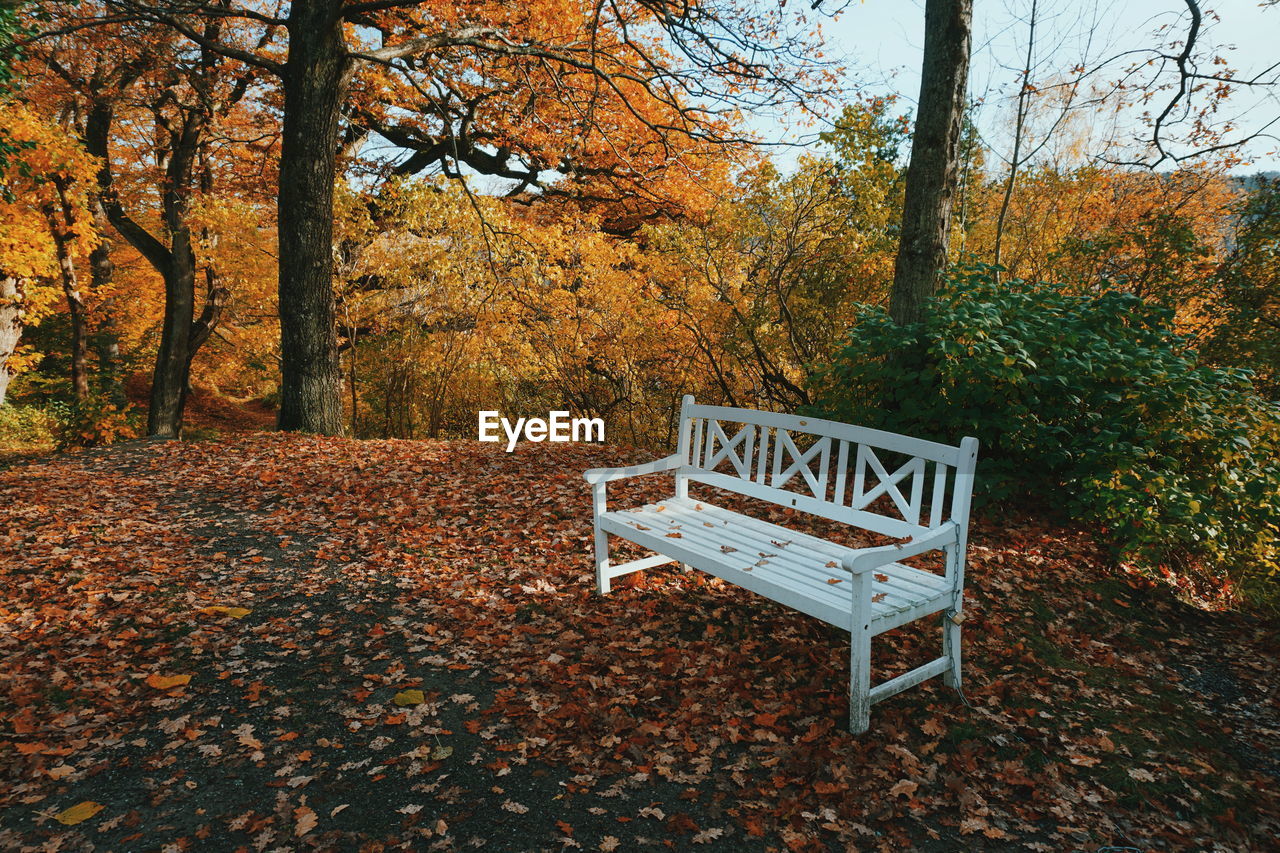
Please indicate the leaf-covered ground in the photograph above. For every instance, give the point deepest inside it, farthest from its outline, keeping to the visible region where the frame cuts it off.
(278, 642)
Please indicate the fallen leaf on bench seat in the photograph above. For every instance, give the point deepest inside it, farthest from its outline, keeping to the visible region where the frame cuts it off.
(878, 597)
(728, 549)
(832, 564)
(881, 577)
(697, 506)
(766, 556)
(641, 527)
(833, 580)
(675, 535)
(707, 524)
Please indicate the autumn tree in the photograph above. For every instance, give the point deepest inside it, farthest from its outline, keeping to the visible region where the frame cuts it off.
(532, 91)
(44, 208)
(163, 100)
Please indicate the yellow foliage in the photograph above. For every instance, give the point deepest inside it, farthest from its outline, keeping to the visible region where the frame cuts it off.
(43, 152)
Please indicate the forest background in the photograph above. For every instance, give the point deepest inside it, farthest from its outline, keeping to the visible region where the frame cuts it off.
(518, 228)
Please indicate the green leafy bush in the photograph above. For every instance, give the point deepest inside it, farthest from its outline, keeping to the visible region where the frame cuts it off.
(27, 429)
(1086, 402)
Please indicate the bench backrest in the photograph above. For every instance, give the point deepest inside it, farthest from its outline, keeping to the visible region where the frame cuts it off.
(891, 484)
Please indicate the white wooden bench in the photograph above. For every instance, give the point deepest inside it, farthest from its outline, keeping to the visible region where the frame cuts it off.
(874, 480)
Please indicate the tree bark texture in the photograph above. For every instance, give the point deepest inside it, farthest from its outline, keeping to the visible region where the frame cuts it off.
(315, 80)
(62, 225)
(933, 172)
(10, 328)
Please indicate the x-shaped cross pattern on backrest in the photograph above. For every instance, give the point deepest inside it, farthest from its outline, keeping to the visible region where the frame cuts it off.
(800, 462)
(741, 464)
(888, 484)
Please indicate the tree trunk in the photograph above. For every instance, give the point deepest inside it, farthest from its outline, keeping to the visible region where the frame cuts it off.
(10, 328)
(62, 224)
(107, 337)
(1020, 118)
(314, 88)
(180, 333)
(932, 173)
(173, 361)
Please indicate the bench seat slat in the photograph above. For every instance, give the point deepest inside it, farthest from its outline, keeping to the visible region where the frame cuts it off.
(798, 570)
(905, 576)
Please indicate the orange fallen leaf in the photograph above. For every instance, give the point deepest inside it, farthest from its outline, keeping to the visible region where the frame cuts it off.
(165, 682)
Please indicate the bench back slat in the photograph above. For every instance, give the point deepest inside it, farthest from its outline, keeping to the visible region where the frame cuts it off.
(772, 457)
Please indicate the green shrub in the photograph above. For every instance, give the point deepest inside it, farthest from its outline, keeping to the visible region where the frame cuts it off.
(1086, 402)
(27, 429)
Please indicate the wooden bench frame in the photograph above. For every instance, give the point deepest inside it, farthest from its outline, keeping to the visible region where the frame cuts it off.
(741, 463)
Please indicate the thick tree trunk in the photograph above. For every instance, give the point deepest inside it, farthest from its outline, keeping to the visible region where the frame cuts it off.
(314, 87)
(10, 328)
(932, 174)
(173, 361)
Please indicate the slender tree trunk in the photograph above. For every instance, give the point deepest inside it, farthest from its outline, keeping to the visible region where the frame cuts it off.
(932, 174)
(62, 224)
(1019, 120)
(10, 328)
(315, 81)
(102, 272)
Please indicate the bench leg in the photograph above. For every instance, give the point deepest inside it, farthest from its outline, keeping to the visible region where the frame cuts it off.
(951, 649)
(602, 560)
(860, 679)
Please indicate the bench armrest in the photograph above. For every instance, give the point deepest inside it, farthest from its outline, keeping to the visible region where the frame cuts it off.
(604, 475)
(866, 559)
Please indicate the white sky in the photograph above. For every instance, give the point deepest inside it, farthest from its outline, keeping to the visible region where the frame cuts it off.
(881, 41)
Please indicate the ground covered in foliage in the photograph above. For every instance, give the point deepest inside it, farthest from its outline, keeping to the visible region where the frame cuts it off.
(279, 642)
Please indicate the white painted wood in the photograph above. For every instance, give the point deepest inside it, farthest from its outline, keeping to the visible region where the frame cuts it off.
(895, 686)
(683, 449)
(865, 591)
(951, 650)
(939, 493)
(599, 501)
(636, 565)
(903, 444)
(604, 475)
(860, 655)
